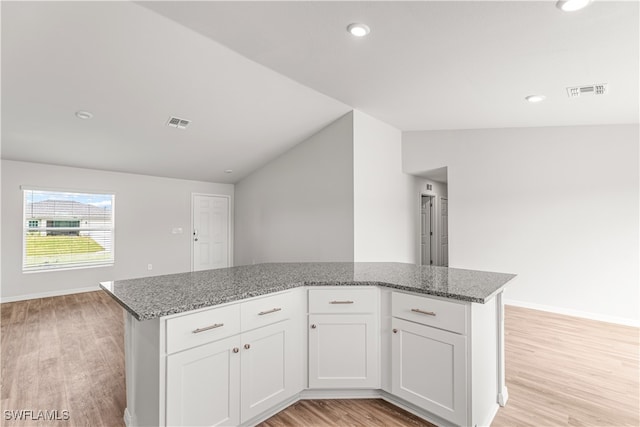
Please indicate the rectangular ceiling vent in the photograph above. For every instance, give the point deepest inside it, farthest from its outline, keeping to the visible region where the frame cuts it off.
(596, 89)
(176, 122)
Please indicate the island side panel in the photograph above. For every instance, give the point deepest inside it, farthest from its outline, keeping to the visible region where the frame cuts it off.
(143, 371)
(485, 361)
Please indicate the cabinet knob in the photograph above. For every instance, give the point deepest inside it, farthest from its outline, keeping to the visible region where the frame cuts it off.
(395, 331)
(235, 349)
(313, 326)
(247, 346)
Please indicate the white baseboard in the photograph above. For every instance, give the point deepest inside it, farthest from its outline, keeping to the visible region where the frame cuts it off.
(339, 394)
(128, 421)
(49, 294)
(575, 313)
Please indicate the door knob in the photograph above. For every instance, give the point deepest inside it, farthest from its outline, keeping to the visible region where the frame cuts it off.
(235, 349)
(395, 331)
(247, 346)
(313, 326)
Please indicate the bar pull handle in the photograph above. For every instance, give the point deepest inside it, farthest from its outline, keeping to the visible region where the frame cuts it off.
(340, 302)
(206, 328)
(273, 310)
(428, 313)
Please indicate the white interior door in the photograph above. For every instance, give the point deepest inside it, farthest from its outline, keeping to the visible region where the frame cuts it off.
(210, 234)
(426, 233)
(444, 232)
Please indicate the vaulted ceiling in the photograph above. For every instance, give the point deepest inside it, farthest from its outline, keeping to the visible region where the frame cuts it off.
(256, 78)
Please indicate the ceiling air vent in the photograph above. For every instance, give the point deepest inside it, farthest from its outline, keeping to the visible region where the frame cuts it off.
(176, 122)
(597, 89)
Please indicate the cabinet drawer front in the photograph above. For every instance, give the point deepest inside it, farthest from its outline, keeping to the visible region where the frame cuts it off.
(266, 311)
(446, 315)
(202, 327)
(343, 300)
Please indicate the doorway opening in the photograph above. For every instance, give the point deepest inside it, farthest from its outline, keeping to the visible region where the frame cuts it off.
(427, 228)
(434, 218)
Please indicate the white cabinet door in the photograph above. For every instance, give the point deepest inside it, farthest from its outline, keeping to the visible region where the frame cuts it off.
(203, 385)
(271, 368)
(429, 369)
(343, 351)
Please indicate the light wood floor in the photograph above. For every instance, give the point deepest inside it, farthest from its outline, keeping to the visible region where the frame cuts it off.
(356, 412)
(66, 353)
(567, 371)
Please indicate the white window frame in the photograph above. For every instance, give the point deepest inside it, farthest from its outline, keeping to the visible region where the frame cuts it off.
(108, 227)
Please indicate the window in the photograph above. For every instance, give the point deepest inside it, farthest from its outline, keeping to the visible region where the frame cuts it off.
(66, 230)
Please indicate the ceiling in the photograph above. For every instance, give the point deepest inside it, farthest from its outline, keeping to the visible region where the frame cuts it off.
(256, 78)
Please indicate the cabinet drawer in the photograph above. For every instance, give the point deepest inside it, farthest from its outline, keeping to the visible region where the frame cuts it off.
(202, 327)
(446, 315)
(265, 311)
(342, 300)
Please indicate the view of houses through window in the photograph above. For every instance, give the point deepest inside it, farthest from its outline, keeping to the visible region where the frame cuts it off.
(66, 229)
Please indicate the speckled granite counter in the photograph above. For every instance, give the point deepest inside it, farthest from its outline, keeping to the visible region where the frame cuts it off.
(151, 297)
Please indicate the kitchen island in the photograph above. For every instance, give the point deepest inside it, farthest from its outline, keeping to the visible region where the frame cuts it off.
(233, 346)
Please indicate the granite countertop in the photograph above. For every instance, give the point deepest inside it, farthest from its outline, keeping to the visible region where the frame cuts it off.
(152, 297)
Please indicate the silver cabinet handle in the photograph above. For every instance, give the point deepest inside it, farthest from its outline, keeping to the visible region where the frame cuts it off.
(235, 349)
(428, 313)
(206, 328)
(247, 346)
(313, 326)
(395, 331)
(273, 310)
(340, 302)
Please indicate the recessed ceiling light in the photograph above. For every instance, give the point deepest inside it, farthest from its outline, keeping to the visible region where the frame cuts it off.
(358, 30)
(572, 5)
(84, 115)
(228, 171)
(535, 98)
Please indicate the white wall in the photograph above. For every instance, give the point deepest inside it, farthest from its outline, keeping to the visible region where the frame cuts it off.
(299, 207)
(146, 210)
(385, 201)
(558, 206)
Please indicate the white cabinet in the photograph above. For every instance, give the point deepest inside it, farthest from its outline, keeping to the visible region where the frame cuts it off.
(233, 379)
(343, 351)
(343, 348)
(270, 368)
(239, 363)
(203, 385)
(429, 369)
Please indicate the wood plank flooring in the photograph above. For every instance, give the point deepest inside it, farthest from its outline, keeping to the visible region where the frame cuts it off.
(66, 353)
(355, 412)
(63, 354)
(567, 371)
